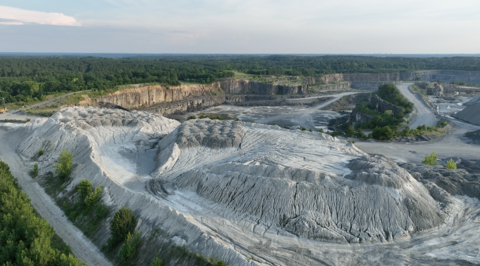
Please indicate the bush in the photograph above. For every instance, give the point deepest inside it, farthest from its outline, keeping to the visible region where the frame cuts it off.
(85, 188)
(157, 262)
(451, 165)
(93, 197)
(64, 164)
(442, 124)
(121, 225)
(34, 172)
(191, 117)
(40, 152)
(431, 159)
(129, 249)
(383, 133)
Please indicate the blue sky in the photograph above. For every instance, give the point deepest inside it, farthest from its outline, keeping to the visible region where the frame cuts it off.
(247, 26)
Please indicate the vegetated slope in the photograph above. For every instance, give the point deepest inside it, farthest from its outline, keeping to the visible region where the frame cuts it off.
(114, 149)
(25, 238)
(26, 78)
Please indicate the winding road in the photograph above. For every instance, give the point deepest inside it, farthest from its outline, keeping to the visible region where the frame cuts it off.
(451, 145)
(424, 114)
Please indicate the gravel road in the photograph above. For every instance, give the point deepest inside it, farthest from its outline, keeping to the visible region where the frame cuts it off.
(451, 145)
(81, 246)
(424, 114)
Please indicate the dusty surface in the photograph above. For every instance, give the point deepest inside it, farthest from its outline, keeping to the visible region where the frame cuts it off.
(253, 194)
(423, 113)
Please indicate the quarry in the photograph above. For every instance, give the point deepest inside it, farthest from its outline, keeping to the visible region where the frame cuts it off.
(252, 189)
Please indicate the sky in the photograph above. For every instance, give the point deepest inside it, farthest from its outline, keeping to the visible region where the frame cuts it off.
(241, 26)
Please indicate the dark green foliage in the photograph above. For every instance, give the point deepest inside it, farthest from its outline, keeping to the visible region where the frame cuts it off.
(442, 123)
(391, 94)
(64, 164)
(34, 172)
(129, 248)
(191, 117)
(157, 262)
(40, 152)
(123, 222)
(88, 196)
(85, 188)
(383, 133)
(26, 78)
(93, 197)
(25, 238)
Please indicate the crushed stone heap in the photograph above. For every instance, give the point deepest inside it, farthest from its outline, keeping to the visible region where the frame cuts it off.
(290, 183)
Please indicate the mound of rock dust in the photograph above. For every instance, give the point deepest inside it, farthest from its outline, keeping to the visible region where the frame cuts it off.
(244, 193)
(284, 182)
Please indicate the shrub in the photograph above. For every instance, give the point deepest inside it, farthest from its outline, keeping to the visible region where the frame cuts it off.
(34, 172)
(123, 222)
(451, 165)
(157, 262)
(40, 152)
(191, 117)
(129, 249)
(93, 197)
(85, 188)
(442, 124)
(431, 159)
(383, 133)
(64, 164)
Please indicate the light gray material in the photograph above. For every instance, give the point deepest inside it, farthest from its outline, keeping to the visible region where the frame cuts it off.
(423, 113)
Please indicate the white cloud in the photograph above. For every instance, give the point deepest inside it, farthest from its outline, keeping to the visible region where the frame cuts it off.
(17, 16)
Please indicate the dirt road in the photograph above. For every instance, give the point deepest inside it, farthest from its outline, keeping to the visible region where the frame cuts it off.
(424, 114)
(81, 246)
(451, 145)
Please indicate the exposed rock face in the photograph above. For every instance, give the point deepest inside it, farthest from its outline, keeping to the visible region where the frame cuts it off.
(266, 176)
(256, 87)
(338, 86)
(430, 75)
(151, 95)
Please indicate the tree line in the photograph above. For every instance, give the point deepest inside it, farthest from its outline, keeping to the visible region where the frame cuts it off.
(24, 78)
(25, 238)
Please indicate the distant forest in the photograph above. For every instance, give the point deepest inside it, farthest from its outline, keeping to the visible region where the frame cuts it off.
(24, 78)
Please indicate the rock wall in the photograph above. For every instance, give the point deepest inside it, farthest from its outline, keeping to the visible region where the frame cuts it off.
(337, 86)
(257, 87)
(447, 76)
(195, 95)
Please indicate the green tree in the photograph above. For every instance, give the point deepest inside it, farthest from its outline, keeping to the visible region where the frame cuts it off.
(64, 164)
(93, 197)
(25, 238)
(383, 133)
(430, 159)
(451, 165)
(85, 188)
(123, 222)
(34, 172)
(129, 249)
(157, 262)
